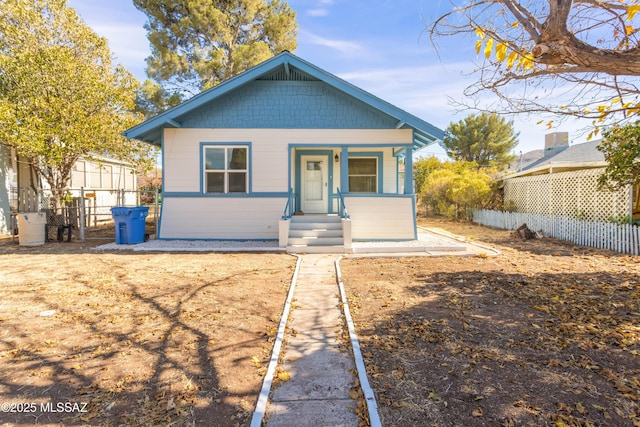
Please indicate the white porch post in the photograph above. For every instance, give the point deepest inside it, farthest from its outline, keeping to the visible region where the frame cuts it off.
(347, 235)
(283, 232)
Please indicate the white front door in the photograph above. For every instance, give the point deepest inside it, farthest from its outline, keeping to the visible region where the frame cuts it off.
(314, 197)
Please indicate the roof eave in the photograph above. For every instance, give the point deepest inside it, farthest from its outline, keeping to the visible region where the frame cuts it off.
(148, 131)
(549, 168)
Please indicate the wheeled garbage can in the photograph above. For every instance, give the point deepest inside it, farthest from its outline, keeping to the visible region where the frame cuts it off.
(130, 224)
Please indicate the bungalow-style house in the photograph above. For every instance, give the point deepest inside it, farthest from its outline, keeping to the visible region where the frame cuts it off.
(287, 151)
(562, 180)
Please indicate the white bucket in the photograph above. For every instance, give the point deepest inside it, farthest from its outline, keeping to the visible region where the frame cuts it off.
(31, 228)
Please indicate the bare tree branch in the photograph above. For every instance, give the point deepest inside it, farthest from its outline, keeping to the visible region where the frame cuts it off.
(528, 21)
(585, 47)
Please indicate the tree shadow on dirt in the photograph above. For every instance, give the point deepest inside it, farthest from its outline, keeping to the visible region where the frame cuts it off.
(483, 348)
(125, 351)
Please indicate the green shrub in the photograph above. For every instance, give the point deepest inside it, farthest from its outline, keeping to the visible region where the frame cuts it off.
(456, 189)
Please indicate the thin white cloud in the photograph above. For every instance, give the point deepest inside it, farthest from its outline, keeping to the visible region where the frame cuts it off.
(420, 90)
(318, 12)
(425, 91)
(345, 47)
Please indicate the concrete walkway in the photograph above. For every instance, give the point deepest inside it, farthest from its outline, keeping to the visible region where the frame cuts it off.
(321, 374)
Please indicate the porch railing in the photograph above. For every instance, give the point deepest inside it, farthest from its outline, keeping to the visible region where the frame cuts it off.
(342, 208)
(289, 208)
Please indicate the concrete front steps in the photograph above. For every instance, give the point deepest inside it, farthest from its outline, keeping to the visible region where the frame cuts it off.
(315, 234)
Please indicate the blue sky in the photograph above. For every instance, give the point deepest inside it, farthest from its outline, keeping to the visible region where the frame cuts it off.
(380, 46)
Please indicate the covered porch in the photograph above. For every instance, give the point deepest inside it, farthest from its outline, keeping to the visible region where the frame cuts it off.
(366, 186)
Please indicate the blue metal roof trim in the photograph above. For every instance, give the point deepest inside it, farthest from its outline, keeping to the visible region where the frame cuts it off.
(149, 131)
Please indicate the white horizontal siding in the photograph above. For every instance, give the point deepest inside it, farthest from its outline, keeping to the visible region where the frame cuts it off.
(269, 157)
(390, 171)
(221, 218)
(181, 160)
(269, 163)
(381, 218)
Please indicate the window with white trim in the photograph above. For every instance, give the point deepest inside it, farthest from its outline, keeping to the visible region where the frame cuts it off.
(363, 175)
(226, 169)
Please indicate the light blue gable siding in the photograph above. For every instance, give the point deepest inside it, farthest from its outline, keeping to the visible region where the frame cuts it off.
(289, 105)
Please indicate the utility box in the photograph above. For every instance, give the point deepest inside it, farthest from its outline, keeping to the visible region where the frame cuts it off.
(130, 224)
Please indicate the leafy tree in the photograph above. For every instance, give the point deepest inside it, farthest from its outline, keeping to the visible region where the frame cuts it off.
(621, 148)
(532, 51)
(60, 95)
(455, 189)
(486, 139)
(197, 44)
(153, 99)
(434, 192)
(422, 168)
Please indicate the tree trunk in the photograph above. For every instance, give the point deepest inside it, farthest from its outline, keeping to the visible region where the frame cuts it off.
(557, 46)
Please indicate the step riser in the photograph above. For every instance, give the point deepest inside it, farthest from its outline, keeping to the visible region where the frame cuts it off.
(319, 241)
(317, 250)
(315, 226)
(299, 219)
(315, 233)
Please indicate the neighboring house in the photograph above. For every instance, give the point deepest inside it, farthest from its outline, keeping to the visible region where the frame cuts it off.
(286, 134)
(106, 183)
(563, 180)
(21, 190)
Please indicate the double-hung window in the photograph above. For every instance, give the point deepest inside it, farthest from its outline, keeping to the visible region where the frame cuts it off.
(363, 175)
(226, 169)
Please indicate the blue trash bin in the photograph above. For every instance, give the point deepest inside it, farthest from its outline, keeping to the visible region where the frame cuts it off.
(129, 223)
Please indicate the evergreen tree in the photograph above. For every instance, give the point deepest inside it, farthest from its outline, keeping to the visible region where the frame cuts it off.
(486, 139)
(197, 44)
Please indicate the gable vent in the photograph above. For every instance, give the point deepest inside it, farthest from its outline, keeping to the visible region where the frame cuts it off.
(294, 76)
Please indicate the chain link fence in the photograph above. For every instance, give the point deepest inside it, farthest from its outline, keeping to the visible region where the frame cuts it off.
(83, 214)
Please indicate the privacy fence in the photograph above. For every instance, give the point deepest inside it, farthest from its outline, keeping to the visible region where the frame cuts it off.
(623, 238)
(569, 194)
(84, 212)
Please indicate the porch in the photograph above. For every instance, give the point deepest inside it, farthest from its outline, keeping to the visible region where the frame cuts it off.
(344, 193)
(319, 174)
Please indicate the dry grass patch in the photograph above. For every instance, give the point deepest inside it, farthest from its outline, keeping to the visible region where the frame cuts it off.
(136, 338)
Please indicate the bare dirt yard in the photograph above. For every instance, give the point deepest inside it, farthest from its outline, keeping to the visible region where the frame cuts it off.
(545, 334)
(145, 339)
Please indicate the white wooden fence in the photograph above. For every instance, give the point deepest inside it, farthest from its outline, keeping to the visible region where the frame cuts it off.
(623, 238)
